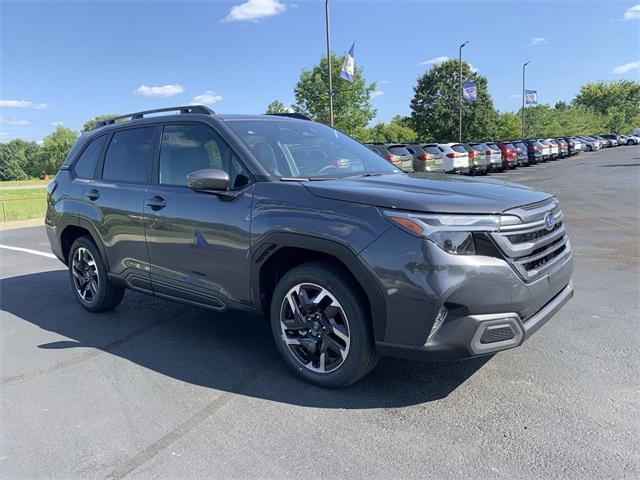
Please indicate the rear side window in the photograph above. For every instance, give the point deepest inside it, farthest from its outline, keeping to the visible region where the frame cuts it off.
(129, 155)
(398, 151)
(85, 166)
(458, 148)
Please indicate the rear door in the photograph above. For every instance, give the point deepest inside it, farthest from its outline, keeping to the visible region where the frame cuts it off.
(198, 242)
(113, 201)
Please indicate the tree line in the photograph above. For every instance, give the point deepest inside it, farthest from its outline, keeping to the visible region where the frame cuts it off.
(611, 107)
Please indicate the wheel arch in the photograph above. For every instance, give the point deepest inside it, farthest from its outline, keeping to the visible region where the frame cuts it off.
(278, 252)
(74, 231)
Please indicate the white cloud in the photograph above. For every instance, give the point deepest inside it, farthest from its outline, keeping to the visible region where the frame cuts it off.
(434, 61)
(632, 13)
(254, 10)
(57, 124)
(13, 121)
(377, 93)
(23, 104)
(533, 41)
(472, 68)
(162, 91)
(207, 98)
(621, 69)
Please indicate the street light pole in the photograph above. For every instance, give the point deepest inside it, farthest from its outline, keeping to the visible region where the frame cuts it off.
(326, 16)
(460, 87)
(523, 70)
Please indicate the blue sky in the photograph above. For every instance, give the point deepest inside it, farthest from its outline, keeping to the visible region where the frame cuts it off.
(69, 61)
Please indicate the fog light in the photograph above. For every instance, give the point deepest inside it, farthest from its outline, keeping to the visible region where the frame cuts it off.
(440, 318)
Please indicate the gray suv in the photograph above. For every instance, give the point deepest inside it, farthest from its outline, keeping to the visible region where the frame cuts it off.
(346, 256)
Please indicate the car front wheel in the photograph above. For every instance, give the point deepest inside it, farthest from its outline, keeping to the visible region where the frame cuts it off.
(321, 325)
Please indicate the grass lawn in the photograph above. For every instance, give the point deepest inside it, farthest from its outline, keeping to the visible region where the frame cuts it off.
(21, 183)
(22, 204)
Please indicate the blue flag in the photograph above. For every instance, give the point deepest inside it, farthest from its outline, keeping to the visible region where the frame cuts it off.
(349, 66)
(531, 97)
(470, 91)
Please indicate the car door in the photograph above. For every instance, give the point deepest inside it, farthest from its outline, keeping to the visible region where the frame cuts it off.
(198, 242)
(113, 203)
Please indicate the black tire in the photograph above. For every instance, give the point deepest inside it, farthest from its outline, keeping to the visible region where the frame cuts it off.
(102, 294)
(361, 355)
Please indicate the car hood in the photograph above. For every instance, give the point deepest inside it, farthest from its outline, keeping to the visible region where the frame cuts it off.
(429, 192)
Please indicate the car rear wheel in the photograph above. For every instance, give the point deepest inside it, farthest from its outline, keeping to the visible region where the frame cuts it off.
(321, 325)
(89, 279)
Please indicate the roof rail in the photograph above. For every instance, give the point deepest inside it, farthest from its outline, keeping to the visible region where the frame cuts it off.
(138, 115)
(297, 115)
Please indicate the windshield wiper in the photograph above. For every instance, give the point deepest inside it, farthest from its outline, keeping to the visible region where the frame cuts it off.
(305, 179)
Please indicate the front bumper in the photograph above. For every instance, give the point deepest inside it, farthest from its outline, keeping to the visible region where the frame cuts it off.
(481, 294)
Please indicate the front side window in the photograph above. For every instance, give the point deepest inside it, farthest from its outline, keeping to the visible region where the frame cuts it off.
(85, 166)
(306, 149)
(129, 155)
(187, 148)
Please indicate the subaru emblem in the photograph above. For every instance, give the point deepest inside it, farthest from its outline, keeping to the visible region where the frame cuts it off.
(549, 221)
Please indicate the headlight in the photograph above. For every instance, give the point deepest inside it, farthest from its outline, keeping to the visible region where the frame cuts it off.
(452, 233)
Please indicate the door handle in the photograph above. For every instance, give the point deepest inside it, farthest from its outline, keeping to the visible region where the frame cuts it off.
(156, 203)
(93, 194)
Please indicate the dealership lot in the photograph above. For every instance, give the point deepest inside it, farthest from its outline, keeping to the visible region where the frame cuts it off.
(162, 390)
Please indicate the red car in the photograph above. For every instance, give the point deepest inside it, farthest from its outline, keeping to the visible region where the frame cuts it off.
(509, 154)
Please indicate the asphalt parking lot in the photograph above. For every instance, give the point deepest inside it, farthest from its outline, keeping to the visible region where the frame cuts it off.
(160, 390)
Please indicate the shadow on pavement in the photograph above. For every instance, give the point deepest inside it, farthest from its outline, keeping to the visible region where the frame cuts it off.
(214, 350)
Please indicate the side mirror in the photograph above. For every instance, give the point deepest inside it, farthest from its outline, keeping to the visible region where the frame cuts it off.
(210, 180)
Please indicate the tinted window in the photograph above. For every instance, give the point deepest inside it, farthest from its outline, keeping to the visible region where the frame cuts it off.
(187, 148)
(520, 145)
(432, 149)
(458, 148)
(85, 166)
(287, 148)
(493, 146)
(129, 155)
(398, 151)
(479, 147)
(508, 145)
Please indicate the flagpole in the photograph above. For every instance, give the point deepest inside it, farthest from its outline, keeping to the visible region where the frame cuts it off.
(326, 16)
(523, 67)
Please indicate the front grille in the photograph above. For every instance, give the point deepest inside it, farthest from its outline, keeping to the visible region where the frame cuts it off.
(536, 264)
(529, 247)
(528, 237)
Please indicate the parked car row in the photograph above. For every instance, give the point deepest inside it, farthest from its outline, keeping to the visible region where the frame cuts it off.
(484, 157)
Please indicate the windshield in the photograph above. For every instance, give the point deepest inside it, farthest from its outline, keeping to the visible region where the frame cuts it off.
(307, 149)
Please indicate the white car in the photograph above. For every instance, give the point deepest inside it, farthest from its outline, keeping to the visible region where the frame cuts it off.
(555, 150)
(456, 158)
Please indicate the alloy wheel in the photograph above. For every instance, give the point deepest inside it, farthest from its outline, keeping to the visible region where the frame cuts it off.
(85, 274)
(315, 328)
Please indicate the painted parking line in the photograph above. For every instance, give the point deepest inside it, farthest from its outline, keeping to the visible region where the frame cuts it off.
(28, 250)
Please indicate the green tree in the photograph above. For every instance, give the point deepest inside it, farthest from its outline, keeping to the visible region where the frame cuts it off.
(434, 107)
(54, 150)
(351, 103)
(395, 131)
(277, 107)
(91, 124)
(508, 125)
(620, 99)
(10, 167)
(17, 158)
